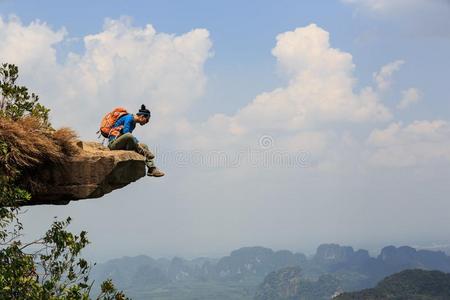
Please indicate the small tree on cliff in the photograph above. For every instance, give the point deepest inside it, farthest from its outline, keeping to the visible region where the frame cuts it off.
(48, 267)
(15, 101)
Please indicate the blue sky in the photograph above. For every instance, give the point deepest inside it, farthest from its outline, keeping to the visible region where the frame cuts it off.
(243, 34)
(219, 76)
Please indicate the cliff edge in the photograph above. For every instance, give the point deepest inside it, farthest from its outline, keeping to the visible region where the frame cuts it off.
(56, 167)
(92, 173)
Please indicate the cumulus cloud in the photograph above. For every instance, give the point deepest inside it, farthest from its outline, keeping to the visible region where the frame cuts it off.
(320, 90)
(416, 144)
(128, 65)
(30, 46)
(383, 78)
(121, 65)
(409, 97)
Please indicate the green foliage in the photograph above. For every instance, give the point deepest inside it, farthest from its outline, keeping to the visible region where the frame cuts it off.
(49, 267)
(407, 285)
(15, 101)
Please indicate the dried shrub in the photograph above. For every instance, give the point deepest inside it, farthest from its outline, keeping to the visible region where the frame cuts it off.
(30, 144)
(66, 138)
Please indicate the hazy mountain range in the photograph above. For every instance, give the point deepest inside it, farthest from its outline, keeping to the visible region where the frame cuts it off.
(238, 276)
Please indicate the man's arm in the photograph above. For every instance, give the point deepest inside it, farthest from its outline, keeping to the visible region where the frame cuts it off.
(128, 123)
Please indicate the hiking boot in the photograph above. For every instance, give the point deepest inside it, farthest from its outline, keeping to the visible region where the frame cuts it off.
(155, 172)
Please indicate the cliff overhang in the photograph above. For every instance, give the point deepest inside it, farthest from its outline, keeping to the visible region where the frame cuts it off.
(92, 173)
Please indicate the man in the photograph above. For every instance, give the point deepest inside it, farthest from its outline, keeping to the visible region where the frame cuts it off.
(121, 138)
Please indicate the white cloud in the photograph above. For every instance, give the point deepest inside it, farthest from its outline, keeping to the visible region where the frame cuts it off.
(127, 65)
(383, 78)
(409, 97)
(30, 46)
(320, 90)
(419, 143)
(122, 65)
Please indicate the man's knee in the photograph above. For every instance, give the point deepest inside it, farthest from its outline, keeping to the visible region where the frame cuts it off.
(127, 137)
(124, 142)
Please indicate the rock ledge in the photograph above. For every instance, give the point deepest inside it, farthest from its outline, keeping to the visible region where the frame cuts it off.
(94, 172)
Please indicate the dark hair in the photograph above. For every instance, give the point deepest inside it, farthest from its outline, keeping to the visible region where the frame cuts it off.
(144, 112)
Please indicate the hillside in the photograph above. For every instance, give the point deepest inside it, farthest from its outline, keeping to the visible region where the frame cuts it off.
(407, 285)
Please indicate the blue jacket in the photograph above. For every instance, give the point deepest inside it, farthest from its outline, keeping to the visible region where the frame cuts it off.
(128, 124)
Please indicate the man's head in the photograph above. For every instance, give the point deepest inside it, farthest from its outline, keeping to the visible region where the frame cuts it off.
(143, 115)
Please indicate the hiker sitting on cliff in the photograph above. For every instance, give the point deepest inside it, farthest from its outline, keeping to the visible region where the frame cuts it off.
(121, 138)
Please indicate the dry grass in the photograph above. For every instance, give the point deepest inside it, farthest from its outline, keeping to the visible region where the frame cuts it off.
(65, 138)
(31, 144)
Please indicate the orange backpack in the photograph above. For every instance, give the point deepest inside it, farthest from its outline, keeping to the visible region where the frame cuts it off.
(108, 121)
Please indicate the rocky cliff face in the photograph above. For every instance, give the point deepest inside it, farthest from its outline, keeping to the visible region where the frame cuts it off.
(289, 284)
(257, 261)
(333, 253)
(282, 284)
(402, 257)
(92, 173)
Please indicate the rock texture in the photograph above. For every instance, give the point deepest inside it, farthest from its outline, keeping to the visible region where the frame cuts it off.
(290, 284)
(94, 172)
